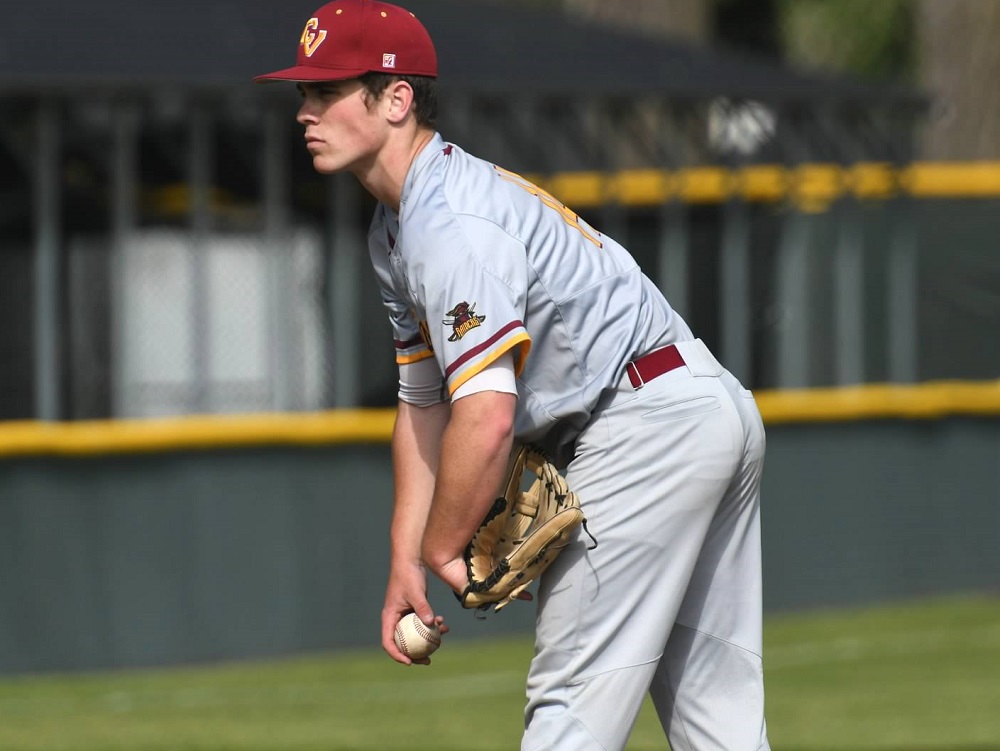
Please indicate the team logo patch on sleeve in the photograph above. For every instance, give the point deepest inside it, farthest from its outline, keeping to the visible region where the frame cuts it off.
(462, 318)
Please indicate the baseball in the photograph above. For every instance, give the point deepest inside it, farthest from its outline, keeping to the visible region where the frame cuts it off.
(415, 639)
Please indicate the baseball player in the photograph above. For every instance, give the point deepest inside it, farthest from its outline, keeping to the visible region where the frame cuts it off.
(514, 319)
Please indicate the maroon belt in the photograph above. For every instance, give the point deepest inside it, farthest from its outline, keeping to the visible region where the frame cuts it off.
(655, 364)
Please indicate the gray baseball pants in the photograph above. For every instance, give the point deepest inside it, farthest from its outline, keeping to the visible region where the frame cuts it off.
(669, 601)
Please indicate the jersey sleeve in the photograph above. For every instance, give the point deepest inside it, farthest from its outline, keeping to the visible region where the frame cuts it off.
(475, 305)
(410, 339)
(421, 383)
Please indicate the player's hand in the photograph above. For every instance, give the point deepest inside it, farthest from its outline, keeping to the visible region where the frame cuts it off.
(455, 574)
(406, 593)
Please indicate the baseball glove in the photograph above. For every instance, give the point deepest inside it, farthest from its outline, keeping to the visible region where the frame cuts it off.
(522, 534)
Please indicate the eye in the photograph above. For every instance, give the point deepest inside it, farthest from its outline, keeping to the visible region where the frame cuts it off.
(317, 91)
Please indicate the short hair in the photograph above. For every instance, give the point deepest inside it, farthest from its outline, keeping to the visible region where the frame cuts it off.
(425, 102)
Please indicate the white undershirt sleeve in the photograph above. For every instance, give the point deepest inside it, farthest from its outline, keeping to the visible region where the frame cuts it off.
(497, 376)
(421, 383)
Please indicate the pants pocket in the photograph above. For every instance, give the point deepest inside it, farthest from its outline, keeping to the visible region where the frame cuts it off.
(678, 410)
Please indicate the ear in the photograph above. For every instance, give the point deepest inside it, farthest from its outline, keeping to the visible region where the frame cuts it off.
(399, 97)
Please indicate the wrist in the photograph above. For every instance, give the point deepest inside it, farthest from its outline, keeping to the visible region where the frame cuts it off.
(405, 558)
(446, 564)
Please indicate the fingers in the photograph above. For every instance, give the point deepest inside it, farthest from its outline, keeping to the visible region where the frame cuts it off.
(406, 593)
(389, 621)
(424, 612)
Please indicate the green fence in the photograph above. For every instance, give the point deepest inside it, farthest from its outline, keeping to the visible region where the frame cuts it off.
(161, 542)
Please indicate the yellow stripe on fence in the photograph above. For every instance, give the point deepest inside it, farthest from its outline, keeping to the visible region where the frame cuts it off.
(808, 185)
(933, 400)
(197, 433)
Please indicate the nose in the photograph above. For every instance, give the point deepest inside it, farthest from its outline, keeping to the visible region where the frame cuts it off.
(305, 115)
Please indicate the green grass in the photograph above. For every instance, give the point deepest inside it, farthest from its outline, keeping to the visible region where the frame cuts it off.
(910, 677)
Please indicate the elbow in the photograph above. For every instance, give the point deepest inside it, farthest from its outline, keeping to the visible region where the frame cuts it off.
(503, 426)
(498, 433)
(489, 416)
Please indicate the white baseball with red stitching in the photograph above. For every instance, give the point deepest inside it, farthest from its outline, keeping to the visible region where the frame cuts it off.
(414, 638)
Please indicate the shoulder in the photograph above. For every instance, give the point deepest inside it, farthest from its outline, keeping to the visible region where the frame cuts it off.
(457, 191)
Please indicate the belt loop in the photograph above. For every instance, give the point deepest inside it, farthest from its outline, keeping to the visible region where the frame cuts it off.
(631, 368)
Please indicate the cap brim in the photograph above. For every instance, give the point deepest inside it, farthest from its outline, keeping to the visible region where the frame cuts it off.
(307, 73)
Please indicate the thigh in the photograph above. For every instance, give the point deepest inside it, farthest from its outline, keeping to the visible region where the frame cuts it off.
(650, 473)
(708, 688)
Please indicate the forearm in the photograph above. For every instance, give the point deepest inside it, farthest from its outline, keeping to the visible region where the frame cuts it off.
(475, 448)
(416, 452)
(416, 449)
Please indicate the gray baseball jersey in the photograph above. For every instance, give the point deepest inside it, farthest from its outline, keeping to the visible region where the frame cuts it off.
(479, 261)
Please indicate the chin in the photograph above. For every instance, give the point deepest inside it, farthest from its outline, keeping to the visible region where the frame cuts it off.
(326, 165)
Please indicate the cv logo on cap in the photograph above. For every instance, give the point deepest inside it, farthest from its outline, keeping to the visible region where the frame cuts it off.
(312, 37)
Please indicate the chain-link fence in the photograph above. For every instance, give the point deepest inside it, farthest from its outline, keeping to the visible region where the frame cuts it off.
(165, 253)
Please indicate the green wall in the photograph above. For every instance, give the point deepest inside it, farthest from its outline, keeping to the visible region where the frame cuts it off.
(150, 559)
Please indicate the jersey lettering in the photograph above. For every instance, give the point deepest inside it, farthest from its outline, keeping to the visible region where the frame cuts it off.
(425, 334)
(569, 216)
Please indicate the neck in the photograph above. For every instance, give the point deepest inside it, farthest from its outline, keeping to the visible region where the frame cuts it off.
(385, 176)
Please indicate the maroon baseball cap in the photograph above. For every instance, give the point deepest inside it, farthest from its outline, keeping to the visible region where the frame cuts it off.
(348, 38)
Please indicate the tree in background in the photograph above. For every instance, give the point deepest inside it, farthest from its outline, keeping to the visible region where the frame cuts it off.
(950, 48)
(959, 42)
(871, 39)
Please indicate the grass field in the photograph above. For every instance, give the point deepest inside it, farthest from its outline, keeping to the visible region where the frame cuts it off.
(911, 677)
